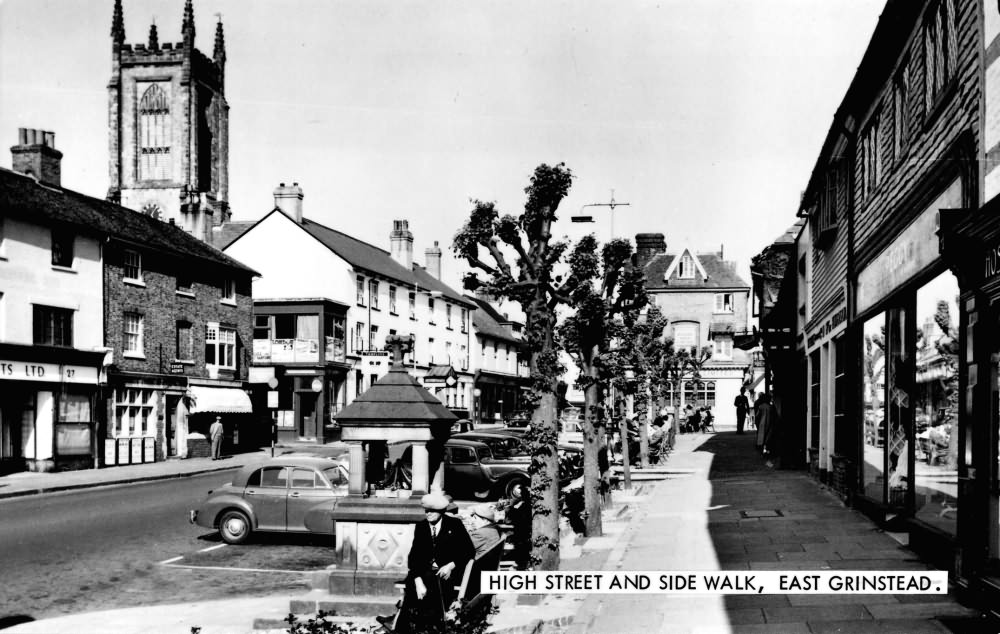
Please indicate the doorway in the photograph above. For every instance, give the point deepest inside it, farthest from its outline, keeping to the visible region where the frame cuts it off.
(307, 414)
(170, 430)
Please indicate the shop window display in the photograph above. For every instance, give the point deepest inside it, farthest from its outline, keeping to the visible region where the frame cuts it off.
(899, 372)
(936, 404)
(873, 371)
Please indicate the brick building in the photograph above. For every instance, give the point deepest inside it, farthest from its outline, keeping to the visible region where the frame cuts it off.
(167, 317)
(168, 122)
(706, 303)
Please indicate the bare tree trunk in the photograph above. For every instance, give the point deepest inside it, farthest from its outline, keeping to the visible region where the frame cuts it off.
(642, 408)
(591, 465)
(545, 499)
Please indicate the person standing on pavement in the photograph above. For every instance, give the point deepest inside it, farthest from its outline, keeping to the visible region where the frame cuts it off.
(768, 429)
(215, 433)
(742, 405)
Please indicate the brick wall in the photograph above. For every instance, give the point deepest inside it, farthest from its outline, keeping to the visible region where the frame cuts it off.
(162, 307)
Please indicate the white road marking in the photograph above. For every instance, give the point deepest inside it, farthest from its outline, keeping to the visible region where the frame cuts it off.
(301, 572)
(168, 561)
(205, 550)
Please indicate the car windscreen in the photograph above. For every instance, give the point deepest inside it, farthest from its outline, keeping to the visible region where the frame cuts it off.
(335, 475)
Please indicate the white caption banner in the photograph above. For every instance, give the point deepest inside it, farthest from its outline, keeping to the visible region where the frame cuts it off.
(718, 582)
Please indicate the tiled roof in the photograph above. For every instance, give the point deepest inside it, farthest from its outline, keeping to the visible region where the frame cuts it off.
(223, 236)
(721, 327)
(397, 399)
(721, 274)
(362, 255)
(486, 321)
(24, 197)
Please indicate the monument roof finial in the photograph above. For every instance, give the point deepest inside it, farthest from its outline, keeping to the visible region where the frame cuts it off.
(187, 26)
(220, 41)
(118, 24)
(154, 38)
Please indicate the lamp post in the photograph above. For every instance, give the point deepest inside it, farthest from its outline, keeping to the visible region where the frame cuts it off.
(476, 393)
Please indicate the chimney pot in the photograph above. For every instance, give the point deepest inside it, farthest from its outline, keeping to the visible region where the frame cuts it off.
(432, 259)
(289, 200)
(37, 156)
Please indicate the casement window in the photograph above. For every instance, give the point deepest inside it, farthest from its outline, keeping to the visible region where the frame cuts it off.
(685, 270)
(723, 302)
(135, 413)
(373, 294)
(229, 291)
(723, 348)
(372, 336)
(52, 326)
(263, 326)
(464, 357)
(133, 266)
(430, 310)
(62, 248)
(940, 52)
(465, 320)
(447, 315)
(220, 346)
(447, 352)
(132, 329)
(392, 300)
(185, 285)
(361, 291)
(413, 306)
(825, 216)
(871, 166)
(185, 341)
(154, 134)
(430, 348)
(901, 115)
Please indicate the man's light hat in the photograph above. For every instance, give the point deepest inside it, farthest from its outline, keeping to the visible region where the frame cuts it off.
(435, 501)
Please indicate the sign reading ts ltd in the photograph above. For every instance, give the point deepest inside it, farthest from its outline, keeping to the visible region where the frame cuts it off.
(51, 372)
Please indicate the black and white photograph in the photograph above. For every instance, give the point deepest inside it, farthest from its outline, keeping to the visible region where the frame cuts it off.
(427, 316)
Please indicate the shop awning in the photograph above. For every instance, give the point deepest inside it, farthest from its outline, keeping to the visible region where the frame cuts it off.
(219, 400)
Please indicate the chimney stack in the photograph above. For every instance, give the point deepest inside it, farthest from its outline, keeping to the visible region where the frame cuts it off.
(401, 243)
(36, 155)
(647, 246)
(289, 200)
(432, 260)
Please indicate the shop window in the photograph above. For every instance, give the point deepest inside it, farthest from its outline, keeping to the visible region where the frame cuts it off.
(62, 248)
(135, 413)
(185, 341)
(842, 439)
(132, 343)
(133, 266)
(335, 329)
(73, 430)
(899, 378)
(700, 393)
(52, 326)
(873, 405)
(935, 407)
(815, 398)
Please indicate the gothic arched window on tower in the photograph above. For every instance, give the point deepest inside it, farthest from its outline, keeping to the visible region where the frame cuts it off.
(154, 135)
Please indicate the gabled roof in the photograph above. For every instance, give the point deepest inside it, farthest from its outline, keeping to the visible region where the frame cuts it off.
(718, 273)
(23, 197)
(363, 256)
(486, 321)
(673, 265)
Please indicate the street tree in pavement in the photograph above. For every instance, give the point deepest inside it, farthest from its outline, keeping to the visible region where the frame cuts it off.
(521, 258)
(608, 292)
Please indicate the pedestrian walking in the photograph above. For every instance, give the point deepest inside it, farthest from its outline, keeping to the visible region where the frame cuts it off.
(768, 429)
(215, 433)
(742, 405)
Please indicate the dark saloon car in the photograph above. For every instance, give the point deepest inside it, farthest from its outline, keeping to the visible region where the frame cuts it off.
(289, 494)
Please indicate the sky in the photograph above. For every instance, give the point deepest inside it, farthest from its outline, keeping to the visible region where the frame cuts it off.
(705, 116)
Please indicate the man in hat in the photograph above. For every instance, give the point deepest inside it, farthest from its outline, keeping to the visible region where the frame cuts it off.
(440, 551)
(482, 528)
(215, 433)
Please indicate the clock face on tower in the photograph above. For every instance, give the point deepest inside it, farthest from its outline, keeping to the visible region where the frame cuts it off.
(152, 209)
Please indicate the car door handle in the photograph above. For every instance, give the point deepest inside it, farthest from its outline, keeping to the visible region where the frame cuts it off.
(293, 494)
(251, 492)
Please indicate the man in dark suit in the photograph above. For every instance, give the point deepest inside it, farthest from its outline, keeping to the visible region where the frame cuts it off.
(440, 551)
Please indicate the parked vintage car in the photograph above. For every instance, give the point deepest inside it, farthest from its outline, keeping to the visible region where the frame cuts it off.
(471, 471)
(509, 444)
(292, 494)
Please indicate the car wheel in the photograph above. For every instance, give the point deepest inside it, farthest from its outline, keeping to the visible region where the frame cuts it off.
(234, 527)
(508, 489)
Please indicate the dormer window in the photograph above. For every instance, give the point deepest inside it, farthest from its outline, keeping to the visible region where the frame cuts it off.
(685, 270)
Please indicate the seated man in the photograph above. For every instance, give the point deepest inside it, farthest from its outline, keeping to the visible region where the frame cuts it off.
(440, 551)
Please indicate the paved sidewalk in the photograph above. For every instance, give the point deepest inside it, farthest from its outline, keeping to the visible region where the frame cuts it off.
(697, 523)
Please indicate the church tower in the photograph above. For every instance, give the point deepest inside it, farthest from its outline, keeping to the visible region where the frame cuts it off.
(169, 127)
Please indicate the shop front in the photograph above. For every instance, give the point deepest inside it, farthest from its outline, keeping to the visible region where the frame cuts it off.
(907, 336)
(497, 398)
(971, 243)
(48, 408)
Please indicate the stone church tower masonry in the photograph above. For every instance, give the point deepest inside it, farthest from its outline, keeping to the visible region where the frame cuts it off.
(169, 127)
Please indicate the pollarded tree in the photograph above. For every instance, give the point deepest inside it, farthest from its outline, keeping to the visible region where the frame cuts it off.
(530, 281)
(605, 290)
(642, 349)
(677, 367)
